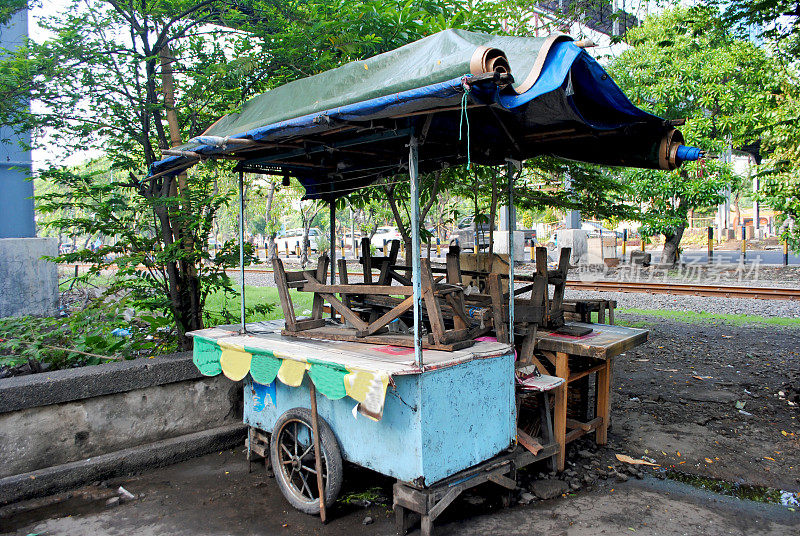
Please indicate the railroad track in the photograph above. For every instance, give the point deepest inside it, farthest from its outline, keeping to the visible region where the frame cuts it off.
(715, 291)
(712, 291)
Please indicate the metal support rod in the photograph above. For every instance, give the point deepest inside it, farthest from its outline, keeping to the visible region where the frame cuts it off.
(415, 249)
(333, 244)
(512, 225)
(241, 243)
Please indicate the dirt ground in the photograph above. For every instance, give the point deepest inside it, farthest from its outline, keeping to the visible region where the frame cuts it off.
(702, 401)
(712, 392)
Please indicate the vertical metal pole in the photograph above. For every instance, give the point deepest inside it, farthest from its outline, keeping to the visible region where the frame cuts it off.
(415, 249)
(744, 243)
(710, 244)
(352, 232)
(241, 243)
(786, 251)
(333, 244)
(512, 226)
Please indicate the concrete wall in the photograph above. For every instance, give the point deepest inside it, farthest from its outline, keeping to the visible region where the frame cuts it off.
(28, 284)
(67, 426)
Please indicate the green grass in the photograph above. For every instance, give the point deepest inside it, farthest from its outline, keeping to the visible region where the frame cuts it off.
(216, 302)
(691, 317)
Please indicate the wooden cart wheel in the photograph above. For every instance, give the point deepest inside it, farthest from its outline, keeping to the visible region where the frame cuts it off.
(292, 455)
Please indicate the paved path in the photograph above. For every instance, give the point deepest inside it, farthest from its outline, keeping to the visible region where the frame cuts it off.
(215, 495)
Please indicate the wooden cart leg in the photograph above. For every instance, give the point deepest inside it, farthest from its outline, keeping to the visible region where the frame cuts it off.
(400, 520)
(426, 526)
(603, 402)
(560, 417)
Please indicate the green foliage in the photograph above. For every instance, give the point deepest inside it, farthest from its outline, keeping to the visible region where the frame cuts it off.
(685, 63)
(49, 341)
(95, 202)
(775, 21)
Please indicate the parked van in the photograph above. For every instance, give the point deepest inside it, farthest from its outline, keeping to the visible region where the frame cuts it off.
(291, 239)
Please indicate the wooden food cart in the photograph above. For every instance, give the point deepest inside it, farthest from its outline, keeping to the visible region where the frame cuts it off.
(410, 387)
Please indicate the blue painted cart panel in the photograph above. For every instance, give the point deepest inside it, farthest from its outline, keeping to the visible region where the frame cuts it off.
(434, 424)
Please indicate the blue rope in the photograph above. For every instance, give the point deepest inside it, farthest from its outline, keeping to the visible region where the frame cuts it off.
(464, 117)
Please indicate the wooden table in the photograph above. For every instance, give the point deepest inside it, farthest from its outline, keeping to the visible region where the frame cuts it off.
(594, 352)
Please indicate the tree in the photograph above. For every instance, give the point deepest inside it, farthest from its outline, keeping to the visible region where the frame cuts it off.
(777, 23)
(133, 79)
(685, 63)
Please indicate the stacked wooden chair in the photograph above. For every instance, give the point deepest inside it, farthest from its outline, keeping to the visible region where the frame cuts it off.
(368, 308)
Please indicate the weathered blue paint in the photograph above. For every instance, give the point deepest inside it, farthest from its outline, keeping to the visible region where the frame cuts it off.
(434, 424)
(16, 203)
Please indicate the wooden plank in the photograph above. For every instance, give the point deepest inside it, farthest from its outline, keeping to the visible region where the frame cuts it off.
(392, 314)
(387, 290)
(317, 454)
(591, 370)
(283, 294)
(385, 276)
(504, 481)
(431, 303)
(603, 343)
(496, 293)
(334, 333)
(309, 323)
(560, 411)
(563, 267)
(453, 269)
(321, 275)
(456, 303)
(394, 250)
(603, 409)
(445, 501)
(346, 313)
(533, 446)
(541, 292)
(343, 280)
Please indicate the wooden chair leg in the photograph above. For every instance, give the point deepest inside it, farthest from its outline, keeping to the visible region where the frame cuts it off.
(560, 417)
(603, 402)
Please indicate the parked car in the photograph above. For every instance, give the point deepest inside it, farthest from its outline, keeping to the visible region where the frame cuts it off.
(464, 234)
(595, 229)
(67, 248)
(291, 239)
(383, 237)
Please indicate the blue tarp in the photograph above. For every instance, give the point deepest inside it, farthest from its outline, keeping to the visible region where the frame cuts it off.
(571, 93)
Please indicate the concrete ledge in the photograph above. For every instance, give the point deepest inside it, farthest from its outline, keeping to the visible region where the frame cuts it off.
(126, 461)
(59, 386)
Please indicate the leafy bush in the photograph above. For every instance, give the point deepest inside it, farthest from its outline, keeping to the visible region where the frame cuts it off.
(83, 338)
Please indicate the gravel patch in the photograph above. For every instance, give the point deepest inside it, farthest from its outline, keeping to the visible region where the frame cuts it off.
(699, 304)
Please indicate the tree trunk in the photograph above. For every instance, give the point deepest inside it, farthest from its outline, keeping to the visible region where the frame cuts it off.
(669, 255)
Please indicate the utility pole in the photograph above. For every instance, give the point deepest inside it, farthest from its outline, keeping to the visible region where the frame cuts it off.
(30, 284)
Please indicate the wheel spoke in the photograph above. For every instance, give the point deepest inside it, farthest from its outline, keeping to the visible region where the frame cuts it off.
(296, 441)
(286, 450)
(305, 485)
(309, 469)
(303, 455)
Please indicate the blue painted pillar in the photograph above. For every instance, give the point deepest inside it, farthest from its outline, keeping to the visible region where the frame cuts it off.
(16, 191)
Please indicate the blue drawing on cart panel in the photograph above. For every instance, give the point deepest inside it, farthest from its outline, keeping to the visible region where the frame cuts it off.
(263, 395)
